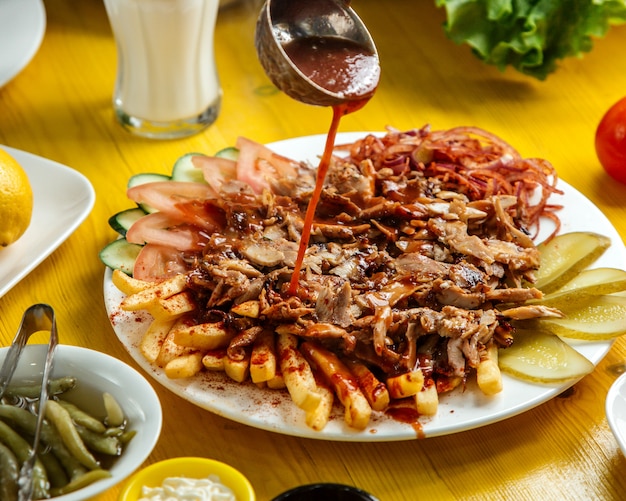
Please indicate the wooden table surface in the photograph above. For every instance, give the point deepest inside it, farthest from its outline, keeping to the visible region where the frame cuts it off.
(59, 107)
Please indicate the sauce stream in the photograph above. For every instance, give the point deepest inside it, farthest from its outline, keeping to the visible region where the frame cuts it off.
(347, 69)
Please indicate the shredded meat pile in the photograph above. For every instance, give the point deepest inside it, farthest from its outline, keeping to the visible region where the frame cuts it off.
(421, 243)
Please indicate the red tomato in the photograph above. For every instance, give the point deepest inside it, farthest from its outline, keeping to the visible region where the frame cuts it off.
(157, 262)
(165, 195)
(611, 141)
(161, 229)
(216, 170)
(257, 164)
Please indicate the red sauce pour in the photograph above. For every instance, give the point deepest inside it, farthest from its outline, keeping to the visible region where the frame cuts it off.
(343, 67)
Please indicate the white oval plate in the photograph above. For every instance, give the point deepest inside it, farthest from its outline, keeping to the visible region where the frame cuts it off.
(62, 199)
(616, 411)
(22, 27)
(96, 373)
(458, 411)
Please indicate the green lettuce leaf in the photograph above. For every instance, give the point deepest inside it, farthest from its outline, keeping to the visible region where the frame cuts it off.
(530, 35)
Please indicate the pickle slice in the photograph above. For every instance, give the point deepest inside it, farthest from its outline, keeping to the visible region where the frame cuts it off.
(565, 256)
(542, 357)
(596, 319)
(588, 284)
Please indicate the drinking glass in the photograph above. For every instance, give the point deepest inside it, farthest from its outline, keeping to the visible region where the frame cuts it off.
(167, 84)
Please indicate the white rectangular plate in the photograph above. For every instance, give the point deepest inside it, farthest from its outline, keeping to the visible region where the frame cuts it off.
(62, 198)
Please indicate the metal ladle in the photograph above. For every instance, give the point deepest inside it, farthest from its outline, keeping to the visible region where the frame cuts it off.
(282, 21)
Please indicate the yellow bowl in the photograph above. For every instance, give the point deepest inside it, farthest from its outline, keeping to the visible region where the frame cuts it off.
(190, 467)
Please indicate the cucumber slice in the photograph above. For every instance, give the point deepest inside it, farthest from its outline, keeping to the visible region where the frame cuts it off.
(230, 152)
(598, 319)
(184, 170)
(120, 255)
(121, 221)
(540, 356)
(146, 177)
(143, 178)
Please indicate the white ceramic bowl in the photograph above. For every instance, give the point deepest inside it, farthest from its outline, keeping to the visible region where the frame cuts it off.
(616, 410)
(97, 373)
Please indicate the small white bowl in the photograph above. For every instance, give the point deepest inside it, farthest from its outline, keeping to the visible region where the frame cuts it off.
(97, 373)
(615, 407)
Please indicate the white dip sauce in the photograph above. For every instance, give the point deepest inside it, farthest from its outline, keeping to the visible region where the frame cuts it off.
(188, 489)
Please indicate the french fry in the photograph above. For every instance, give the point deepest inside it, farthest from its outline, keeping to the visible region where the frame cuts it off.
(127, 284)
(446, 384)
(374, 390)
(213, 360)
(184, 366)
(277, 382)
(203, 337)
(427, 400)
(297, 373)
(248, 309)
(170, 350)
(488, 373)
(173, 306)
(237, 370)
(405, 385)
(318, 417)
(263, 358)
(293, 329)
(337, 374)
(152, 340)
(147, 297)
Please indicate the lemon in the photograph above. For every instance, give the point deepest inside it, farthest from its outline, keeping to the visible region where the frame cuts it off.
(16, 200)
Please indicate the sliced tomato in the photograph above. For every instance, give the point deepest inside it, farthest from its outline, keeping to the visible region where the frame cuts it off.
(257, 164)
(202, 214)
(284, 166)
(165, 195)
(163, 229)
(216, 170)
(158, 262)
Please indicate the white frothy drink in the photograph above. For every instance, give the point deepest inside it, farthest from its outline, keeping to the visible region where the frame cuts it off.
(166, 64)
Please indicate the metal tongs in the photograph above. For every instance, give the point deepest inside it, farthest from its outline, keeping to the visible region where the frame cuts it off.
(39, 317)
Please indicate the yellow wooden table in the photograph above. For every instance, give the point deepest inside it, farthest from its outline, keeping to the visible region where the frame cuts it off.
(59, 108)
